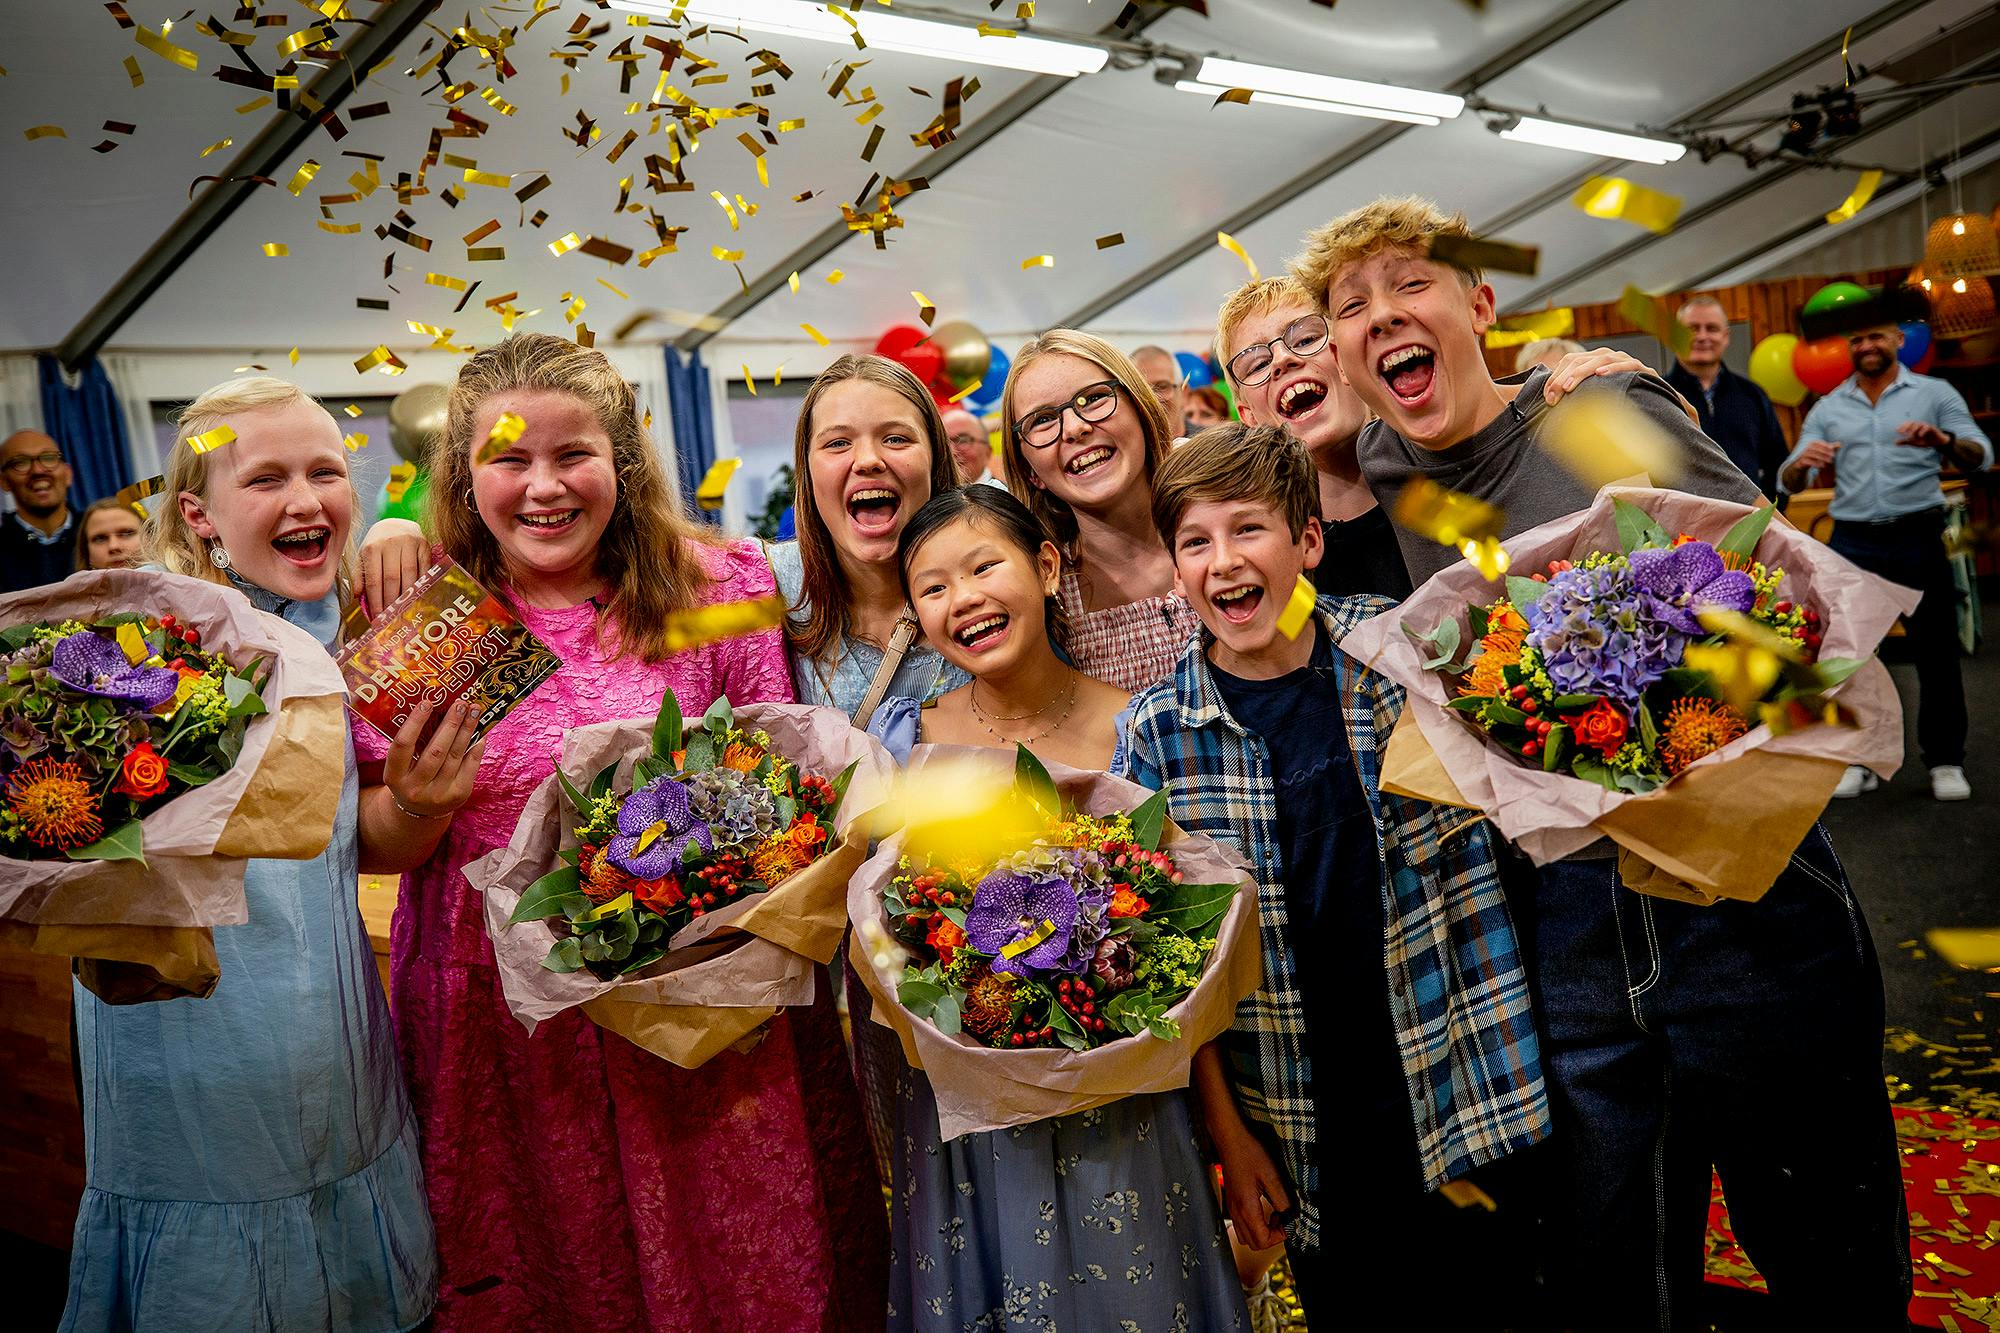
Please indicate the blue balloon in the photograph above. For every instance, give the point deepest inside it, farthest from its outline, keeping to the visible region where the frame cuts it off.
(1916, 342)
(992, 382)
(1195, 370)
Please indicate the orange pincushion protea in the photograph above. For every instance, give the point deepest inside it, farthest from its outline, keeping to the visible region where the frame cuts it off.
(741, 756)
(783, 855)
(1696, 727)
(598, 878)
(1500, 648)
(54, 804)
(989, 1004)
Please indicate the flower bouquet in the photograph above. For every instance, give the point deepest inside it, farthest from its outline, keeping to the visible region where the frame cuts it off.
(1694, 696)
(679, 883)
(1084, 961)
(145, 753)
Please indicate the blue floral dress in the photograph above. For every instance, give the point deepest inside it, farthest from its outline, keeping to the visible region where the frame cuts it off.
(251, 1160)
(1098, 1222)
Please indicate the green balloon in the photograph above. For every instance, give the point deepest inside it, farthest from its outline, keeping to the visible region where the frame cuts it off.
(409, 505)
(1832, 296)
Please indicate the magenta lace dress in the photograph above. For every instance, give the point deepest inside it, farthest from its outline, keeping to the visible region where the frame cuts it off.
(578, 1182)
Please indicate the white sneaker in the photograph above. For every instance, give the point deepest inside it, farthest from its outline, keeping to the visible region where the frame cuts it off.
(1858, 779)
(1948, 783)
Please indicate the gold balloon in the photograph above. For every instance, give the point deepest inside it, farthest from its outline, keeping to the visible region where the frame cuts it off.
(416, 418)
(967, 353)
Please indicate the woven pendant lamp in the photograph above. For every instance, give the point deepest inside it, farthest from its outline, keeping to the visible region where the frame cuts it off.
(1963, 307)
(1961, 245)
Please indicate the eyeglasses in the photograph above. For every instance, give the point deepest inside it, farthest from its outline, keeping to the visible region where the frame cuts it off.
(966, 437)
(18, 467)
(1043, 427)
(1302, 337)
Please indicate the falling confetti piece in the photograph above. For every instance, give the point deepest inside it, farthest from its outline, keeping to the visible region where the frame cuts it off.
(1601, 438)
(1520, 330)
(725, 620)
(133, 72)
(1235, 247)
(793, 281)
(833, 278)
(355, 441)
(717, 195)
(499, 180)
(506, 430)
(445, 280)
(749, 380)
(481, 232)
(1968, 948)
(621, 295)
(303, 176)
(1488, 555)
(1857, 199)
(140, 490)
(1619, 200)
(1445, 516)
(276, 249)
(352, 409)
(1649, 316)
(726, 256)
(1038, 261)
(709, 493)
(217, 146)
(926, 310)
(210, 440)
(1115, 238)
(293, 356)
(381, 356)
(565, 243)
(815, 334)
(966, 392)
(165, 49)
(46, 132)
(1240, 96)
(1476, 255)
(1298, 608)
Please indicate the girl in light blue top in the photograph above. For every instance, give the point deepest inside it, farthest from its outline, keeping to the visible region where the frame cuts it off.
(251, 1157)
(1103, 1219)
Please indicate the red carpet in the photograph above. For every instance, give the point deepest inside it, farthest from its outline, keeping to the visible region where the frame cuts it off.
(1951, 1174)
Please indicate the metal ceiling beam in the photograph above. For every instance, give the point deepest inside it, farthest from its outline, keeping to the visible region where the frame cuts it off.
(1514, 56)
(1763, 180)
(263, 155)
(969, 139)
(1781, 73)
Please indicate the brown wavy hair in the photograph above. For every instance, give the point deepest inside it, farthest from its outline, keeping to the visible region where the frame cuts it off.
(824, 593)
(1055, 514)
(648, 553)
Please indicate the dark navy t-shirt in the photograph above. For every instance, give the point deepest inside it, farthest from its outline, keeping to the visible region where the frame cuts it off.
(1333, 902)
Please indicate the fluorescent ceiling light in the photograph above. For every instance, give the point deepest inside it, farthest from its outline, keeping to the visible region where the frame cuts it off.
(884, 31)
(1280, 82)
(1598, 143)
(1309, 103)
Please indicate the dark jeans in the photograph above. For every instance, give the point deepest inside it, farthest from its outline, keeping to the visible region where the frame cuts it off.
(1910, 551)
(1747, 1036)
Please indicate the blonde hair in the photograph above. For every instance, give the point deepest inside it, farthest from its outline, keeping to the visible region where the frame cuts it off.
(1532, 353)
(1234, 461)
(107, 505)
(823, 590)
(170, 542)
(1259, 296)
(1055, 514)
(1408, 223)
(648, 551)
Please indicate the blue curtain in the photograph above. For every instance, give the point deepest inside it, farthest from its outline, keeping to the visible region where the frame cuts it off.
(693, 412)
(87, 422)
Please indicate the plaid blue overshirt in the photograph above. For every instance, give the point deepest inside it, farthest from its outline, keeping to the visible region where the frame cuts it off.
(1458, 987)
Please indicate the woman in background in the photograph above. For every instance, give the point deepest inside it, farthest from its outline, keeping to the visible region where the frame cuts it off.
(108, 536)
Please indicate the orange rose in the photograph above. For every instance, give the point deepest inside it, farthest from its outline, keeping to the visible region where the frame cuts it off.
(945, 936)
(1600, 726)
(143, 775)
(658, 895)
(1126, 902)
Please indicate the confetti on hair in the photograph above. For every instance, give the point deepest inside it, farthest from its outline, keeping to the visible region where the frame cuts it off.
(1857, 198)
(1235, 247)
(1616, 199)
(130, 496)
(505, 433)
(210, 440)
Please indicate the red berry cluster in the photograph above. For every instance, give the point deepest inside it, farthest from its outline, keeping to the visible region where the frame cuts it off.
(1538, 727)
(924, 889)
(1042, 1036)
(1813, 634)
(722, 879)
(1131, 856)
(1080, 1003)
(815, 790)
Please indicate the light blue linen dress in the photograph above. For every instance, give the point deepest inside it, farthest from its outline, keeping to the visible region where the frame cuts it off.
(1102, 1220)
(251, 1158)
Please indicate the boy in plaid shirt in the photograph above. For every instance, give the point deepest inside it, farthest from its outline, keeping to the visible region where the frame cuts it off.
(1391, 1047)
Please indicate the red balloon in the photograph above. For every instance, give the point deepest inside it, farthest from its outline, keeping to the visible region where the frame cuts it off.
(905, 345)
(1923, 366)
(1822, 365)
(899, 340)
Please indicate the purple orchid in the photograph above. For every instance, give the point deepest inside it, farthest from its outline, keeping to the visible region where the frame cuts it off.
(89, 662)
(1009, 906)
(1685, 579)
(658, 816)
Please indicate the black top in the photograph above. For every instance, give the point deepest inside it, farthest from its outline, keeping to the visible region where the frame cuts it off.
(1333, 901)
(1361, 556)
(1737, 415)
(26, 561)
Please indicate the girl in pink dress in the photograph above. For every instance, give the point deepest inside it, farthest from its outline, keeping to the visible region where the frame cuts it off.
(577, 1181)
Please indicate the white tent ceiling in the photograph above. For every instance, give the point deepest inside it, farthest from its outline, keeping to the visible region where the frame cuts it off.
(1116, 151)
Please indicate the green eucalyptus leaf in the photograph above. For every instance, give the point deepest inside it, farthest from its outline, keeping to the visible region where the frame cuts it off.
(1524, 592)
(127, 842)
(565, 956)
(720, 717)
(1636, 528)
(946, 1014)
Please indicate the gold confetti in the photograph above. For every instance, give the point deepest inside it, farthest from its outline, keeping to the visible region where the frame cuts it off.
(1038, 261)
(165, 49)
(815, 334)
(833, 278)
(1298, 608)
(1519, 330)
(966, 392)
(1235, 247)
(1476, 255)
(1115, 238)
(140, 490)
(355, 441)
(794, 282)
(506, 431)
(381, 356)
(718, 197)
(1971, 949)
(445, 280)
(1619, 200)
(1857, 199)
(293, 356)
(1650, 316)
(1487, 553)
(1240, 96)
(133, 72)
(210, 440)
(303, 176)
(613, 290)
(254, 104)
(709, 493)
(46, 132)
(565, 243)
(400, 477)
(352, 409)
(726, 256)
(276, 249)
(725, 620)
(499, 180)
(481, 232)
(482, 253)
(926, 310)
(749, 380)
(1445, 516)
(1601, 438)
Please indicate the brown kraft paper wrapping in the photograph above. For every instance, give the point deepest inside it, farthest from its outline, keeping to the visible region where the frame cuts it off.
(278, 800)
(1726, 825)
(979, 1088)
(730, 970)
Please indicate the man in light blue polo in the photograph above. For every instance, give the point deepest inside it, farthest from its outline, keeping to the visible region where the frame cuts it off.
(1886, 431)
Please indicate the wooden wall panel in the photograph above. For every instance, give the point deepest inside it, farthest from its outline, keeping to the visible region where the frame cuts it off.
(41, 1126)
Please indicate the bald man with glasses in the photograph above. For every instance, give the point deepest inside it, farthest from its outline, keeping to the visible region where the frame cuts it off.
(37, 545)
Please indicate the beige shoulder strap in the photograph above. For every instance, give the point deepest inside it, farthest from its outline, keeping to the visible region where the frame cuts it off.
(892, 658)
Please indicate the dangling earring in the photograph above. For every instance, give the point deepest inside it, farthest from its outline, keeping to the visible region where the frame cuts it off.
(470, 503)
(217, 555)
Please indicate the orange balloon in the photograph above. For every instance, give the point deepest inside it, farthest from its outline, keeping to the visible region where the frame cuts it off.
(1821, 365)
